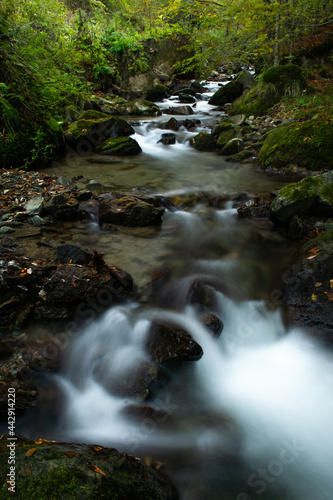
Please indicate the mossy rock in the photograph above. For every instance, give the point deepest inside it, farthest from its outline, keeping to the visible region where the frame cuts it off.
(95, 130)
(288, 79)
(204, 142)
(92, 114)
(49, 470)
(307, 144)
(311, 195)
(140, 107)
(119, 146)
(226, 136)
(157, 92)
(256, 101)
(231, 147)
(187, 68)
(225, 124)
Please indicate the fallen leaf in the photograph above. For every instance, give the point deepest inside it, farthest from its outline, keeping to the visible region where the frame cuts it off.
(97, 448)
(30, 452)
(27, 471)
(95, 468)
(330, 296)
(43, 441)
(331, 283)
(314, 297)
(318, 284)
(70, 453)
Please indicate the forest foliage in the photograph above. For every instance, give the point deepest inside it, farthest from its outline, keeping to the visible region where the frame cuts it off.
(55, 52)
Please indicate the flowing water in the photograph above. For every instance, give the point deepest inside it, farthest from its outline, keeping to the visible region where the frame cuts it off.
(253, 417)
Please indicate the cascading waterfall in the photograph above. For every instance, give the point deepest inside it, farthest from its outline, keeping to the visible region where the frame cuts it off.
(273, 386)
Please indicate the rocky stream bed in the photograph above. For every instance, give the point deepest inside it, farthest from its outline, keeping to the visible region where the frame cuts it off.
(67, 287)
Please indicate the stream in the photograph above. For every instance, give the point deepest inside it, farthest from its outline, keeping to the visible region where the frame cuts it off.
(253, 417)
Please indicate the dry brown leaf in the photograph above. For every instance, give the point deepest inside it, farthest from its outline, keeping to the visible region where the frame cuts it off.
(30, 452)
(95, 468)
(27, 471)
(97, 448)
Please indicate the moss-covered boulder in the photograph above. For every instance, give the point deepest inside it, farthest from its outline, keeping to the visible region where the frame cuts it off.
(119, 146)
(311, 195)
(306, 144)
(288, 79)
(226, 136)
(93, 130)
(157, 92)
(231, 147)
(46, 469)
(204, 142)
(257, 101)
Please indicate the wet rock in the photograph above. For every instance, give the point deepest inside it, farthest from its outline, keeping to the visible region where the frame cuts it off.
(26, 284)
(195, 85)
(308, 287)
(38, 221)
(62, 207)
(227, 136)
(167, 343)
(179, 110)
(157, 92)
(137, 383)
(25, 398)
(167, 139)
(73, 254)
(226, 94)
(140, 413)
(311, 195)
(52, 312)
(213, 324)
(172, 124)
(71, 284)
(34, 206)
(6, 230)
(129, 210)
(119, 146)
(204, 142)
(201, 295)
(186, 98)
(255, 208)
(232, 146)
(71, 470)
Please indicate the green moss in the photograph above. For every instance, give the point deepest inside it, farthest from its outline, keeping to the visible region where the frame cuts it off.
(257, 101)
(308, 144)
(157, 92)
(204, 142)
(119, 146)
(288, 76)
(91, 114)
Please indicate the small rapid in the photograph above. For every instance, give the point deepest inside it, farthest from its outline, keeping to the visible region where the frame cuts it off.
(260, 393)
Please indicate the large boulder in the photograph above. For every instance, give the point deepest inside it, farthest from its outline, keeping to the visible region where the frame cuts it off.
(257, 101)
(204, 142)
(311, 195)
(94, 127)
(129, 210)
(306, 144)
(62, 207)
(46, 469)
(279, 81)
